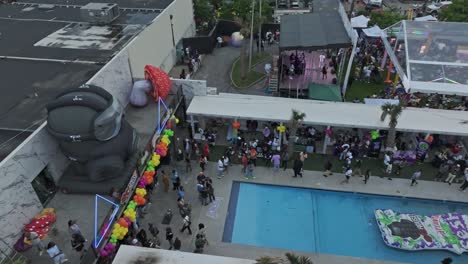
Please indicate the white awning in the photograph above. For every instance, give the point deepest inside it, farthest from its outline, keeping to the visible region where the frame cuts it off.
(373, 32)
(426, 18)
(359, 21)
(264, 108)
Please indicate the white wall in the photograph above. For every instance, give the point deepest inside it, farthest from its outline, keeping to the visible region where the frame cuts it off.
(116, 77)
(154, 45)
(18, 200)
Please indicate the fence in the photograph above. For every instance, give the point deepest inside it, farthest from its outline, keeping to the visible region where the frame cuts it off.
(206, 44)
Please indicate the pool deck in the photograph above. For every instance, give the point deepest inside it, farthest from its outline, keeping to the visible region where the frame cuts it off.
(214, 215)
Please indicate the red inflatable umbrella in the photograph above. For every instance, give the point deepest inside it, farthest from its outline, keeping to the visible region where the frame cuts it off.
(160, 81)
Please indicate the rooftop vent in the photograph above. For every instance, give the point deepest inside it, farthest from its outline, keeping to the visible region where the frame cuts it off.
(100, 13)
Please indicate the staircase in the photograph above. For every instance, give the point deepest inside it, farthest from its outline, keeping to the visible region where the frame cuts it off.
(272, 84)
(10, 256)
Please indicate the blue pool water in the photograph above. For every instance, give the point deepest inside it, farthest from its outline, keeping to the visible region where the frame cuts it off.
(327, 222)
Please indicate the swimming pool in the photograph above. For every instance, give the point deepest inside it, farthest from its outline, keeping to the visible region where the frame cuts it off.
(327, 222)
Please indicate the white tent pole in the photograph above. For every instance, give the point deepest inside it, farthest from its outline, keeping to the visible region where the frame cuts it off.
(325, 141)
(384, 60)
(350, 64)
(192, 125)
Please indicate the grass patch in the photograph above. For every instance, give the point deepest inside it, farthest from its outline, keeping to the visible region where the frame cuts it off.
(252, 76)
(361, 89)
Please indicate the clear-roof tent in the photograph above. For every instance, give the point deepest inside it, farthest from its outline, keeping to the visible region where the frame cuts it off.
(430, 57)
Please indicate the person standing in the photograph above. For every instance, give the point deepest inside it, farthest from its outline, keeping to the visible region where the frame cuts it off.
(219, 39)
(181, 192)
(249, 171)
(322, 60)
(443, 170)
(165, 181)
(210, 191)
(276, 160)
(284, 160)
(328, 168)
(55, 253)
(73, 228)
(366, 176)
(226, 164)
(245, 163)
(203, 162)
(188, 164)
(297, 168)
(415, 176)
(348, 174)
(202, 232)
(465, 183)
(177, 244)
(186, 225)
(389, 168)
(357, 167)
(175, 180)
(182, 74)
(169, 237)
(36, 242)
(199, 244)
(206, 150)
(77, 243)
(253, 156)
(220, 168)
(324, 72)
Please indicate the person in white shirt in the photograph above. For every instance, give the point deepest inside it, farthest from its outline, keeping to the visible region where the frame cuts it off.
(220, 168)
(220, 41)
(226, 164)
(348, 174)
(322, 60)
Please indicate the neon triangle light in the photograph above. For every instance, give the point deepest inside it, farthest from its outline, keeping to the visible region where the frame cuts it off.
(99, 237)
(162, 124)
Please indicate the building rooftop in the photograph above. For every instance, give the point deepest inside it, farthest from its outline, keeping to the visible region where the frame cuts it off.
(152, 4)
(45, 51)
(432, 56)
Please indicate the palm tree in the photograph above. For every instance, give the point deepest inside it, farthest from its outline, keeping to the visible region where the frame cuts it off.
(291, 258)
(268, 260)
(394, 112)
(296, 120)
(294, 259)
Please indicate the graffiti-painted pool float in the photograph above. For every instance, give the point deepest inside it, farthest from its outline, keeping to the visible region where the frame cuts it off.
(418, 232)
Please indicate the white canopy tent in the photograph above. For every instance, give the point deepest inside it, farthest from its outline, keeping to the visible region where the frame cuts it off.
(429, 57)
(425, 18)
(349, 115)
(359, 21)
(373, 32)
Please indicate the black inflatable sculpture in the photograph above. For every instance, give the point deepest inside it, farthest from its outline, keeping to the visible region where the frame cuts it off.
(87, 122)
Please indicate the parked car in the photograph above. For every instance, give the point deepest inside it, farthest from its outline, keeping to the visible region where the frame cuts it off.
(435, 7)
(373, 3)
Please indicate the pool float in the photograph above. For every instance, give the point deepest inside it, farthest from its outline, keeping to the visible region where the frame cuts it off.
(418, 232)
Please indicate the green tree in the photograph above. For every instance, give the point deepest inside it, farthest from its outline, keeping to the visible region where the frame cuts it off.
(456, 12)
(394, 112)
(294, 123)
(202, 11)
(385, 19)
(291, 258)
